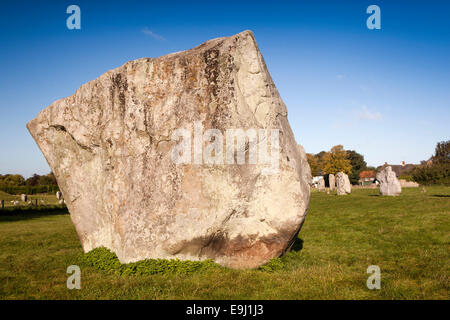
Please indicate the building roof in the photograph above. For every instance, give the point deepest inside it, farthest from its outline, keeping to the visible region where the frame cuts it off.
(367, 174)
(400, 169)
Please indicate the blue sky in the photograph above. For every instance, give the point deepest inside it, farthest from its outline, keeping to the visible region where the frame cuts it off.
(384, 93)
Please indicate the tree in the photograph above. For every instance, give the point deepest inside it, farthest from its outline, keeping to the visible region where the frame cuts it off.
(33, 180)
(439, 170)
(442, 152)
(12, 180)
(52, 178)
(336, 160)
(358, 165)
(313, 162)
(47, 180)
(320, 156)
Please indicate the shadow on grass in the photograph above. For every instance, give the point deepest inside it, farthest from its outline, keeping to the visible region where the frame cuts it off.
(441, 195)
(297, 245)
(16, 214)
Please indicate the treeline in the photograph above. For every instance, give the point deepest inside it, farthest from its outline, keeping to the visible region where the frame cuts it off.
(17, 184)
(434, 171)
(336, 160)
(437, 169)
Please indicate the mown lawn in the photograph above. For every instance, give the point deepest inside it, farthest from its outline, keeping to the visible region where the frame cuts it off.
(408, 237)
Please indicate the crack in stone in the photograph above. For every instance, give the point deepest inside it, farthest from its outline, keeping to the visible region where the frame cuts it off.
(62, 128)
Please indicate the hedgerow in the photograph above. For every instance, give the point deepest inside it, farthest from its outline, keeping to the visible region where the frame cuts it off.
(29, 189)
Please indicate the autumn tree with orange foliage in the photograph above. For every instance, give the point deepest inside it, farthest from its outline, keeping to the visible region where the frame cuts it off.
(336, 160)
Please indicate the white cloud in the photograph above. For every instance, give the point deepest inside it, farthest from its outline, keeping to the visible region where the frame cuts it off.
(340, 77)
(366, 114)
(150, 33)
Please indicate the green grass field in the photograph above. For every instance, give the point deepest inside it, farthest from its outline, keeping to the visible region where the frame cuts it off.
(43, 199)
(408, 237)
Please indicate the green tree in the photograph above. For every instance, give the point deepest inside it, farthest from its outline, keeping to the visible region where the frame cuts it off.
(336, 160)
(442, 152)
(33, 180)
(12, 180)
(439, 170)
(358, 165)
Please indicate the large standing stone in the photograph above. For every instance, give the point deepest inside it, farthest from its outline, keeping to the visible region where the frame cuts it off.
(343, 184)
(114, 149)
(332, 181)
(305, 165)
(389, 184)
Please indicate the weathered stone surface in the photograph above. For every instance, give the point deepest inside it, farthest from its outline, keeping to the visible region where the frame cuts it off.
(110, 147)
(304, 165)
(343, 184)
(389, 184)
(332, 181)
(321, 183)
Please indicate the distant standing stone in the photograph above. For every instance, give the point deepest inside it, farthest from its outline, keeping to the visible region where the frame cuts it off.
(59, 195)
(389, 184)
(343, 184)
(321, 184)
(23, 197)
(3, 204)
(332, 181)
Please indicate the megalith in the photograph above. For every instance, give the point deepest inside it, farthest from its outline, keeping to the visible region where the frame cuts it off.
(389, 184)
(185, 156)
(343, 185)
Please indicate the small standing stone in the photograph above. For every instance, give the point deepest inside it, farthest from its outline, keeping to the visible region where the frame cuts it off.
(23, 197)
(389, 184)
(59, 195)
(343, 184)
(332, 181)
(3, 204)
(321, 184)
(423, 190)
